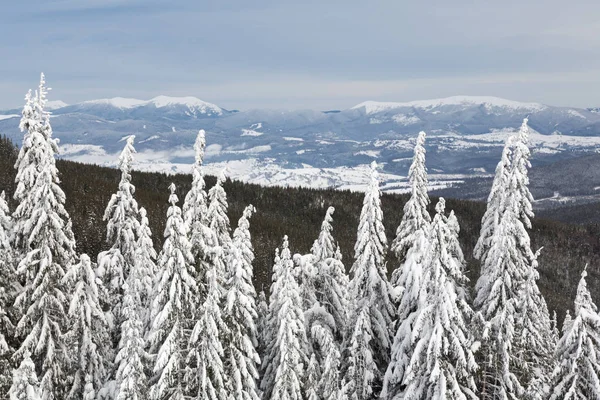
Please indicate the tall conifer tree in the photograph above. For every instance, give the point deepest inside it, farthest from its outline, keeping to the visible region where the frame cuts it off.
(44, 236)
(576, 376)
(173, 307)
(369, 292)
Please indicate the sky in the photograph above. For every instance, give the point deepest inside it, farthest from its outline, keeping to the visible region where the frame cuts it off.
(314, 54)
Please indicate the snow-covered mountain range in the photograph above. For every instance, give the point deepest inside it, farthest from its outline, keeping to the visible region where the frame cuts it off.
(317, 148)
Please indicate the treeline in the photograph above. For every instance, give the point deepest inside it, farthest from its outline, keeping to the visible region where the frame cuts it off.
(298, 212)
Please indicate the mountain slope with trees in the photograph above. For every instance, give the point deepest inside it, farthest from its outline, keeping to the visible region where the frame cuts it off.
(298, 213)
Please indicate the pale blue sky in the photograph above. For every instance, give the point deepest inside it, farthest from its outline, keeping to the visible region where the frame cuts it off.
(320, 54)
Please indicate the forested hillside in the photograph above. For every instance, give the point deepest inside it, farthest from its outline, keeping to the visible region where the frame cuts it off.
(132, 285)
(298, 212)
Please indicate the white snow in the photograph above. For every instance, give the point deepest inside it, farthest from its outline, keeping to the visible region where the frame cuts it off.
(402, 119)
(192, 103)
(576, 114)
(368, 153)
(293, 139)
(372, 107)
(118, 102)
(251, 132)
(9, 116)
(55, 105)
(154, 137)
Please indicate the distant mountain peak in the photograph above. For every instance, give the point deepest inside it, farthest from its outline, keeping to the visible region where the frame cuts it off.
(372, 107)
(118, 102)
(192, 103)
(55, 104)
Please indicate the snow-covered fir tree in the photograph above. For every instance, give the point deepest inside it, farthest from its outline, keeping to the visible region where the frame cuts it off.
(495, 203)
(331, 280)
(576, 376)
(25, 384)
(324, 247)
(534, 334)
(240, 315)
(285, 359)
(36, 159)
(7, 272)
(195, 206)
(121, 215)
(305, 271)
(205, 375)
(218, 222)
(409, 247)
(323, 379)
(131, 380)
(369, 290)
(262, 316)
(517, 340)
(172, 307)
(361, 370)
(442, 364)
(497, 296)
(195, 212)
(145, 265)
(313, 376)
(45, 239)
(415, 215)
(89, 331)
(567, 322)
(554, 326)
(217, 212)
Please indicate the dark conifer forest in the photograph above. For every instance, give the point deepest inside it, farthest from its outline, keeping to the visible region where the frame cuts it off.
(298, 212)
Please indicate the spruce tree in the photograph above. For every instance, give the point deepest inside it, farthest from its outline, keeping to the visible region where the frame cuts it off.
(131, 380)
(497, 296)
(44, 236)
(217, 212)
(305, 271)
(442, 364)
(409, 247)
(415, 215)
(286, 357)
(576, 376)
(495, 204)
(324, 247)
(145, 264)
(534, 334)
(205, 376)
(313, 376)
(121, 215)
(262, 311)
(331, 280)
(7, 273)
(25, 385)
(361, 370)
(89, 330)
(172, 307)
(195, 213)
(370, 291)
(240, 314)
(218, 222)
(329, 385)
(515, 356)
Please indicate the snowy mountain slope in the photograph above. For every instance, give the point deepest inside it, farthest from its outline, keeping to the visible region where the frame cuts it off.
(313, 148)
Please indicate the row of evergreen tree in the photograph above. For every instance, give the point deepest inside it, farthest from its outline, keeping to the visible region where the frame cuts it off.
(186, 322)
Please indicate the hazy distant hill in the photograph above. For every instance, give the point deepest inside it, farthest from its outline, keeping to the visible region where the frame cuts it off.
(314, 148)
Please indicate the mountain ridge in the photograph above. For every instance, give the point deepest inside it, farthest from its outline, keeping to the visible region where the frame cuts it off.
(465, 136)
